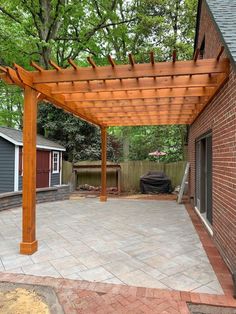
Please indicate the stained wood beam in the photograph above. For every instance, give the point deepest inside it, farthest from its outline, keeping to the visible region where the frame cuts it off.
(29, 244)
(3, 69)
(45, 90)
(140, 102)
(174, 55)
(91, 62)
(160, 69)
(142, 114)
(129, 104)
(55, 66)
(196, 54)
(111, 61)
(222, 81)
(144, 94)
(149, 122)
(73, 64)
(133, 84)
(220, 53)
(144, 117)
(152, 58)
(131, 59)
(135, 109)
(36, 66)
(6, 77)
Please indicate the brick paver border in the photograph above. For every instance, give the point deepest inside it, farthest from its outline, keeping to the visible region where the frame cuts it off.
(78, 296)
(222, 272)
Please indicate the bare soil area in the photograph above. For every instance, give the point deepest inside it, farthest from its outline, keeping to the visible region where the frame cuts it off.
(28, 299)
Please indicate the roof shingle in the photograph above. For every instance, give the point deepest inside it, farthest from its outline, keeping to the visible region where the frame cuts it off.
(16, 135)
(224, 14)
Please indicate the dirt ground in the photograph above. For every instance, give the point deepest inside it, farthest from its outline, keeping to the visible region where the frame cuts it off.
(159, 197)
(17, 298)
(22, 301)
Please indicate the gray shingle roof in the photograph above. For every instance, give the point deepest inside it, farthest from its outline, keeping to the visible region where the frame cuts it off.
(16, 137)
(224, 14)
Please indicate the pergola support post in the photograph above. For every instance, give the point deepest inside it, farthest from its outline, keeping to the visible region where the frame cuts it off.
(29, 244)
(103, 196)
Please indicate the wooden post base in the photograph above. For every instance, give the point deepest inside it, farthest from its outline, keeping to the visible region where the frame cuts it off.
(28, 248)
(103, 198)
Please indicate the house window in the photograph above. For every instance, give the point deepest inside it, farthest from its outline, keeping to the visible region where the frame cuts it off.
(55, 162)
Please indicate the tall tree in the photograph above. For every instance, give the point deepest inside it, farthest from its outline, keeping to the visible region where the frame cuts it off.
(40, 30)
(57, 29)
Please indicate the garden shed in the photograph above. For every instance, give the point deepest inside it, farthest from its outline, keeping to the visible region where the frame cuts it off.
(49, 161)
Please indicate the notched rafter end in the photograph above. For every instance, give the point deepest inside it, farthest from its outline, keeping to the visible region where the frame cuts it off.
(152, 58)
(36, 66)
(111, 61)
(3, 69)
(54, 65)
(174, 55)
(73, 64)
(196, 54)
(91, 62)
(131, 59)
(220, 53)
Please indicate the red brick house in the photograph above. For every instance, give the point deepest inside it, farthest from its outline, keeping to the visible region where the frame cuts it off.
(212, 136)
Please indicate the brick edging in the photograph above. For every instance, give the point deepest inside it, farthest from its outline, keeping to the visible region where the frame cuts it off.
(220, 268)
(61, 284)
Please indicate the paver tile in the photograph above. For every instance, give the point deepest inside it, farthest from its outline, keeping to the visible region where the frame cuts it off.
(141, 279)
(96, 274)
(41, 269)
(120, 237)
(180, 282)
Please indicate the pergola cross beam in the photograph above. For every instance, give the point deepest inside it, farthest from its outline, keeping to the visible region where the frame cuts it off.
(146, 70)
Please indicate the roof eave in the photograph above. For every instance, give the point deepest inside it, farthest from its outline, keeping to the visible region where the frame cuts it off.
(11, 140)
(232, 60)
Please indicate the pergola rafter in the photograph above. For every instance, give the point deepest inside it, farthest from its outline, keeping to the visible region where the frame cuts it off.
(154, 93)
(111, 95)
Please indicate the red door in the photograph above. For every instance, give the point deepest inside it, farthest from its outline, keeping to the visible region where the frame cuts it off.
(42, 172)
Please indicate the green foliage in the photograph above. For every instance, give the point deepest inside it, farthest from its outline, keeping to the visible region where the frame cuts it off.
(10, 105)
(144, 140)
(81, 140)
(61, 29)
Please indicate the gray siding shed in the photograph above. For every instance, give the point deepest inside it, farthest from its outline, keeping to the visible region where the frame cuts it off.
(55, 179)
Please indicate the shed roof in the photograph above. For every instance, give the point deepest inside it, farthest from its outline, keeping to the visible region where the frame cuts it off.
(16, 137)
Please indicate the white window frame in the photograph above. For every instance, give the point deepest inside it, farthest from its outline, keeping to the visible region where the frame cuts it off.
(58, 162)
(16, 173)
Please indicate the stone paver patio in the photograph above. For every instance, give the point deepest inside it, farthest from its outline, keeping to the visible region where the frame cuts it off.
(132, 242)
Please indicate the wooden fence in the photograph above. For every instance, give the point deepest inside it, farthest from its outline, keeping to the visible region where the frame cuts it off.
(131, 171)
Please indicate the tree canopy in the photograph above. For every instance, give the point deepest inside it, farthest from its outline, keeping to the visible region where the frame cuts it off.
(40, 30)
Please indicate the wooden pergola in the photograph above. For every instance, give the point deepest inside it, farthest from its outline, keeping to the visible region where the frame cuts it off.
(154, 93)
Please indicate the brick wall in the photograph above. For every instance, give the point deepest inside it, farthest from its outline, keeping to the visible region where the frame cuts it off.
(220, 117)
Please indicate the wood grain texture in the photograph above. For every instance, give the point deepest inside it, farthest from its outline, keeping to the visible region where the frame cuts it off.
(29, 243)
(133, 94)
